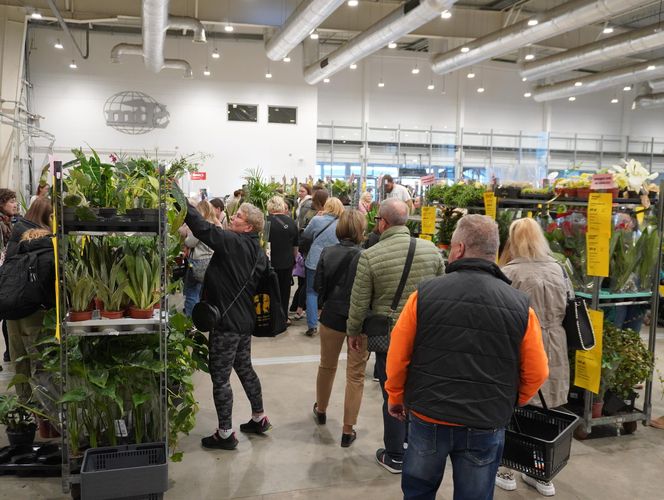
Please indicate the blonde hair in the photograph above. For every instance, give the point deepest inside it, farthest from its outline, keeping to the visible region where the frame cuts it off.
(33, 234)
(365, 195)
(527, 241)
(207, 211)
(333, 206)
(351, 226)
(276, 204)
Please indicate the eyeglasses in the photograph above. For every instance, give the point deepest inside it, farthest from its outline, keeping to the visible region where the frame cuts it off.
(377, 219)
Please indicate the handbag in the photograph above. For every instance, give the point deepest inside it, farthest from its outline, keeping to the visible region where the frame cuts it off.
(198, 268)
(305, 242)
(270, 319)
(380, 325)
(577, 324)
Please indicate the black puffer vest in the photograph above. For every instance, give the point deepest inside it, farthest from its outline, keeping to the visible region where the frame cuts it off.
(465, 363)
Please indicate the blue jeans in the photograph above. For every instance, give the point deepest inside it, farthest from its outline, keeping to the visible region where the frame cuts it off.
(192, 293)
(394, 430)
(475, 456)
(312, 299)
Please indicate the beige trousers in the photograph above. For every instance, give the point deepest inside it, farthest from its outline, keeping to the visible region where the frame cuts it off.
(24, 333)
(331, 343)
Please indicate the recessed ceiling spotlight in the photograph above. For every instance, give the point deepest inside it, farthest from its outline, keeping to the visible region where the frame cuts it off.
(392, 45)
(58, 44)
(415, 71)
(524, 79)
(446, 14)
(470, 75)
(36, 15)
(572, 99)
(465, 49)
(206, 71)
(529, 57)
(651, 67)
(353, 66)
(533, 22)
(480, 90)
(216, 54)
(615, 100)
(229, 28)
(326, 80)
(527, 95)
(73, 64)
(607, 30)
(268, 75)
(381, 84)
(313, 35)
(627, 88)
(431, 86)
(353, 3)
(578, 84)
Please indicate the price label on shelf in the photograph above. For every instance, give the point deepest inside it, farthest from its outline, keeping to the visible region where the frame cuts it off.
(588, 364)
(428, 220)
(598, 236)
(490, 205)
(602, 181)
(427, 237)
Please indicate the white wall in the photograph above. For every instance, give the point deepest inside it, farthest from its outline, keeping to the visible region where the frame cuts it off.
(72, 103)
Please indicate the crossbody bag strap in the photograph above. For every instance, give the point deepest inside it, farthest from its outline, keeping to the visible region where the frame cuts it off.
(322, 230)
(243, 286)
(404, 275)
(567, 280)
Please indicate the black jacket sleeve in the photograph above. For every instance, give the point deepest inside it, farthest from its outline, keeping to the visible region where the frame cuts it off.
(319, 279)
(213, 236)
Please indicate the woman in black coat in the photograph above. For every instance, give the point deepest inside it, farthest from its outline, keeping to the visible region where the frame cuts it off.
(283, 246)
(333, 282)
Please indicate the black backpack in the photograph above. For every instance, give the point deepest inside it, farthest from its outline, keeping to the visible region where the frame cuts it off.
(25, 279)
(270, 320)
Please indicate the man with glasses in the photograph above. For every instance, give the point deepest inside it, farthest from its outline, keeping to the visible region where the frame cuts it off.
(379, 272)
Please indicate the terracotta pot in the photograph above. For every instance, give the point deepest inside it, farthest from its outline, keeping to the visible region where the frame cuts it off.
(569, 192)
(80, 315)
(583, 193)
(112, 314)
(597, 409)
(136, 313)
(46, 429)
(443, 246)
(99, 304)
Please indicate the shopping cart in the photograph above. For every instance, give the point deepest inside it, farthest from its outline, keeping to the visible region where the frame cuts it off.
(538, 440)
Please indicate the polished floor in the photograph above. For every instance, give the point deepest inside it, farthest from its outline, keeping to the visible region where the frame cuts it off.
(301, 460)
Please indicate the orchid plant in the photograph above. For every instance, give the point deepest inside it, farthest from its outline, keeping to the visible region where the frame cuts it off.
(632, 176)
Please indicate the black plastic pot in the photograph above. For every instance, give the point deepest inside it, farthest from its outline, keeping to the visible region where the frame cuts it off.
(614, 404)
(143, 214)
(26, 436)
(108, 212)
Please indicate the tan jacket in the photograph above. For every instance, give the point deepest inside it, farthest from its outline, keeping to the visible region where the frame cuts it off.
(543, 281)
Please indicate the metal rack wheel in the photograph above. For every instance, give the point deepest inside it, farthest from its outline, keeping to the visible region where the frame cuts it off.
(629, 427)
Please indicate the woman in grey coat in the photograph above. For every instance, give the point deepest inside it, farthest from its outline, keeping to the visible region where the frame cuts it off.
(529, 264)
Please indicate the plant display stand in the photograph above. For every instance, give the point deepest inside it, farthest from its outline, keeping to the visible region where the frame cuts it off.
(113, 471)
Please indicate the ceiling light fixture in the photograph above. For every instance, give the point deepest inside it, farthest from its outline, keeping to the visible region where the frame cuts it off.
(431, 86)
(216, 54)
(572, 99)
(229, 28)
(529, 57)
(470, 75)
(268, 75)
(313, 35)
(615, 100)
(465, 49)
(353, 3)
(415, 71)
(381, 84)
(58, 45)
(524, 79)
(353, 66)
(627, 88)
(480, 90)
(607, 30)
(392, 45)
(578, 84)
(651, 67)
(206, 71)
(533, 22)
(326, 80)
(527, 95)
(446, 14)
(36, 15)
(286, 59)
(72, 64)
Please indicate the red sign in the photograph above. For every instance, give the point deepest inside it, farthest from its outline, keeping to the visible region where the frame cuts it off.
(428, 180)
(602, 181)
(198, 176)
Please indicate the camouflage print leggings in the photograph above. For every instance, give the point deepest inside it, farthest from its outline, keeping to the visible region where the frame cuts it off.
(232, 350)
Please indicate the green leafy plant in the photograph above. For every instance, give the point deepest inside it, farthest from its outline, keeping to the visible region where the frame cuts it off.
(340, 187)
(447, 225)
(91, 179)
(80, 285)
(17, 416)
(626, 361)
(371, 218)
(257, 191)
(143, 275)
(111, 289)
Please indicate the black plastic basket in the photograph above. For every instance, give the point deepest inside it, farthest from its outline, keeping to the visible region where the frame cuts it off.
(538, 441)
(138, 471)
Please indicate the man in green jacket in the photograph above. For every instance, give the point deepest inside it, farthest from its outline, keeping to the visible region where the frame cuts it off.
(378, 274)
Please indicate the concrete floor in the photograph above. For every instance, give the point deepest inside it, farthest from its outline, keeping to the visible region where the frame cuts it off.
(300, 460)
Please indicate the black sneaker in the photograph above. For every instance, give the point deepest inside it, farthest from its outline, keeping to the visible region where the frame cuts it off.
(320, 418)
(311, 332)
(256, 427)
(215, 441)
(5, 357)
(347, 439)
(392, 465)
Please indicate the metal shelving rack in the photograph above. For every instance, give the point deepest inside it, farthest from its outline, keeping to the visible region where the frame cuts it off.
(158, 325)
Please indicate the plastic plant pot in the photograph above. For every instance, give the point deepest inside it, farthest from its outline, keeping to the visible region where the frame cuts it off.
(80, 315)
(136, 313)
(112, 314)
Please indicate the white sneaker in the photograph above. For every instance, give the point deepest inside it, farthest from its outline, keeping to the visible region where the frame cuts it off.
(545, 488)
(505, 480)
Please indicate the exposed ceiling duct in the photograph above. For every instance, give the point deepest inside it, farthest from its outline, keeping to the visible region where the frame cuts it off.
(156, 23)
(567, 17)
(614, 78)
(625, 45)
(650, 101)
(656, 85)
(406, 18)
(308, 16)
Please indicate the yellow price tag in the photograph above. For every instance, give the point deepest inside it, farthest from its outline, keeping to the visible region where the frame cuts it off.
(598, 236)
(428, 220)
(490, 204)
(427, 237)
(588, 364)
(640, 215)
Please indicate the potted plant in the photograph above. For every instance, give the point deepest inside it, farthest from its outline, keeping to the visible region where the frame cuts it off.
(450, 217)
(632, 178)
(92, 183)
(19, 419)
(111, 291)
(81, 289)
(583, 186)
(143, 282)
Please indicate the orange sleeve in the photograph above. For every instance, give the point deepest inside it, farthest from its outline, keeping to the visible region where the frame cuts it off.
(400, 351)
(534, 363)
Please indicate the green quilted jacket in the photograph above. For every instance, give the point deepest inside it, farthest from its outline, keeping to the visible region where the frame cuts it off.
(379, 271)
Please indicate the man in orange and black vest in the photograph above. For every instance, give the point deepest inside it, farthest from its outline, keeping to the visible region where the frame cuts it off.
(466, 349)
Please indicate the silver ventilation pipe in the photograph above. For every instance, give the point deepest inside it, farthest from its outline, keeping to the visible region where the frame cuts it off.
(406, 18)
(631, 74)
(155, 24)
(650, 101)
(125, 49)
(567, 17)
(625, 45)
(306, 17)
(656, 85)
(188, 23)
(179, 64)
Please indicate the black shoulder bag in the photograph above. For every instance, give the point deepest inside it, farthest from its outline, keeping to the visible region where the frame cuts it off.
(305, 242)
(577, 324)
(380, 325)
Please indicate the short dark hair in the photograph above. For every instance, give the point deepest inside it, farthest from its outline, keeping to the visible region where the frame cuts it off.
(307, 187)
(238, 192)
(388, 178)
(217, 203)
(6, 195)
(319, 198)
